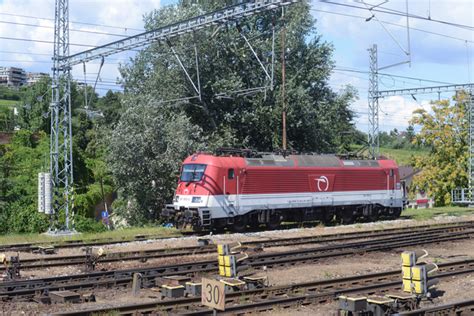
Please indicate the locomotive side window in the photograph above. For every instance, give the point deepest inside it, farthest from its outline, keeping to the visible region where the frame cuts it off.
(391, 172)
(192, 172)
(230, 174)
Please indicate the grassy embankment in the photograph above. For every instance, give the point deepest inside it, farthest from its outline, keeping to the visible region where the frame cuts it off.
(120, 234)
(429, 213)
(8, 103)
(403, 156)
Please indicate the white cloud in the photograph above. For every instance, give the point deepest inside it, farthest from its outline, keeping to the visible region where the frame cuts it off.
(394, 112)
(126, 15)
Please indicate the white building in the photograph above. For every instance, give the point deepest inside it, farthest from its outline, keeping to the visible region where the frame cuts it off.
(34, 77)
(12, 76)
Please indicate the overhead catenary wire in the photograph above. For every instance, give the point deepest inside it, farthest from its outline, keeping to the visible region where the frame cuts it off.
(394, 24)
(71, 29)
(392, 75)
(400, 13)
(74, 22)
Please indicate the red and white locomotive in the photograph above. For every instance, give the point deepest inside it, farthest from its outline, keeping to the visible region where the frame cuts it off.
(216, 191)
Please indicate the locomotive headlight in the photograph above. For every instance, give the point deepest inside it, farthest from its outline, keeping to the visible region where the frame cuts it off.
(196, 199)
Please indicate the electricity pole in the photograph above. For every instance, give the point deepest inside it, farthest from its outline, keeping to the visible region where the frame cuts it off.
(61, 131)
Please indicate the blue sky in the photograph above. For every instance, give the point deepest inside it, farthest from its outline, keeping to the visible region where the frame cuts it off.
(435, 57)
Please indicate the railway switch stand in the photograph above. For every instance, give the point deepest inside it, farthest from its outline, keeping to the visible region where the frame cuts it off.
(416, 286)
(415, 274)
(92, 257)
(12, 266)
(229, 257)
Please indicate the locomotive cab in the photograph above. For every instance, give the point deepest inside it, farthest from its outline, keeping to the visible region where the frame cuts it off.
(205, 182)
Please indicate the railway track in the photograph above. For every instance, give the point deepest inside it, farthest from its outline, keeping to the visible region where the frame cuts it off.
(462, 308)
(28, 247)
(26, 289)
(33, 246)
(144, 255)
(264, 299)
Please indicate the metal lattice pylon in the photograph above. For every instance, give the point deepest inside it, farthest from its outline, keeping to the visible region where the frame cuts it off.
(61, 131)
(471, 138)
(373, 135)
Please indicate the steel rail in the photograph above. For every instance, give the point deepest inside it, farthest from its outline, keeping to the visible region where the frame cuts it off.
(269, 303)
(460, 308)
(272, 259)
(110, 241)
(117, 278)
(324, 289)
(144, 255)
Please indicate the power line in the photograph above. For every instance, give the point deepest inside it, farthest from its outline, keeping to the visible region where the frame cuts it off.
(52, 28)
(40, 41)
(394, 24)
(75, 22)
(45, 61)
(399, 13)
(40, 54)
(391, 75)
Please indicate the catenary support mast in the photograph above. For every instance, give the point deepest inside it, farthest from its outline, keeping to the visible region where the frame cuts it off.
(373, 135)
(61, 167)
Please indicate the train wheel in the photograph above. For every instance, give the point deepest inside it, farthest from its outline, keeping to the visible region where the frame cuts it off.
(274, 222)
(240, 224)
(254, 224)
(374, 217)
(346, 217)
(396, 212)
(327, 218)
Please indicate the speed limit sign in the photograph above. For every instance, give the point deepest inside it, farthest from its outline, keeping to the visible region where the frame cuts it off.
(213, 294)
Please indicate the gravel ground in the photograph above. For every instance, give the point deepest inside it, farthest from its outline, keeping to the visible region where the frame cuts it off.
(454, 289)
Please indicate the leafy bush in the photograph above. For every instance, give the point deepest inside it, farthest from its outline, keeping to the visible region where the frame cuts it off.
(88, 225)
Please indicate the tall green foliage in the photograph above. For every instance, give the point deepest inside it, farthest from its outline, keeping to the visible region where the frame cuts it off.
(445, 131)
(20, 162)
(145, 152)
(28, 153)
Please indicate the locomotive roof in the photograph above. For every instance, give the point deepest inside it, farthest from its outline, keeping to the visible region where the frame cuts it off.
(302, 160)
(308, 161)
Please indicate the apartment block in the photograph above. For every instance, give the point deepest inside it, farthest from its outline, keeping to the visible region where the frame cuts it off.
(12, 76)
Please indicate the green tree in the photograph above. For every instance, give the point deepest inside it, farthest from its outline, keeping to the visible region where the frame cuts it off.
(145, 152)
(445, 131)
(33, 113)
(410, 133)
(316, 114)
(20, 162)
(111, 107)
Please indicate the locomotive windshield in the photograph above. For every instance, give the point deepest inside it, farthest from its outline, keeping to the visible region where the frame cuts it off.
(192, 172)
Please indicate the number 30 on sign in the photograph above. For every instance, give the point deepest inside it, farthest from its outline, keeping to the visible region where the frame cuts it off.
(213, 294)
